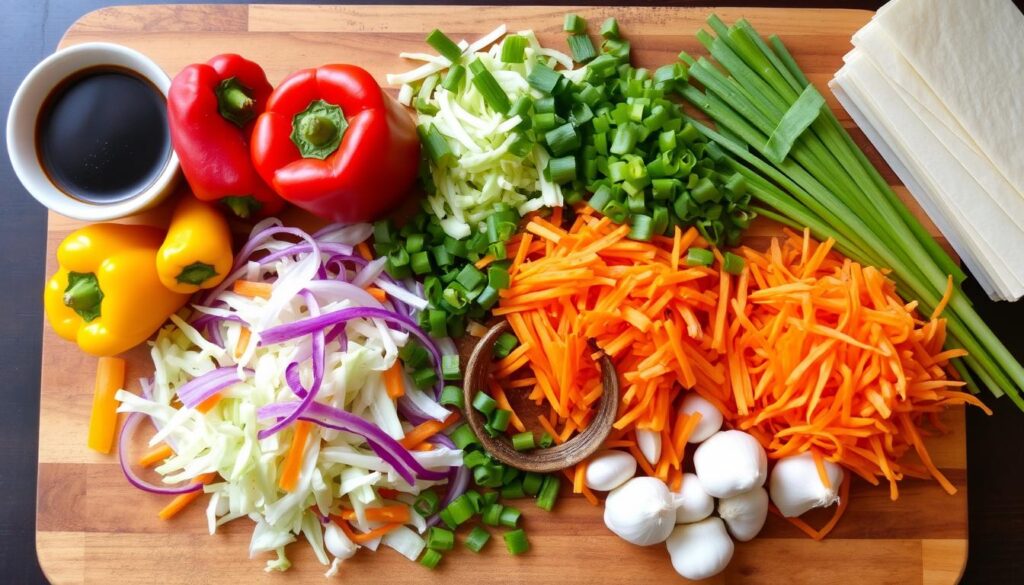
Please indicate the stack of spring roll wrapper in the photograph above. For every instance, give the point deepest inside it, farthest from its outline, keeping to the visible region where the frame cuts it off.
(938, 88)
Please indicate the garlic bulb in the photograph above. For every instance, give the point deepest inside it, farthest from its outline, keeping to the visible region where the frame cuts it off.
(796, 486)
(745, 514)
(337, 543)
(649, 443)
(694, 503)
(700, 550)
(607, 471)
(641, 511)
(730, 463)
(710, 419)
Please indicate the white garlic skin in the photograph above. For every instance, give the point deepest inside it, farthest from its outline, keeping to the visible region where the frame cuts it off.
(642, 511)
(796, 487)
(694, 503)
(337, 543)
(608, 470)
(744, 515)
(649, 443)
(710, 418)
(730, 463)
(700, 550)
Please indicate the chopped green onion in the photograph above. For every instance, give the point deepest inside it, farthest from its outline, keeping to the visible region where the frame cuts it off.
(484, 403)
(504, 345)
(435, 146)
(642, 228)
(532, 483)
(488, 87)
(452, 81)
(420, 262)
(424, 378)
(490, 498)
(440, 538)
(476, 499)
(430, 558)
(509, 517)
(461, 509)
(610, 28)
(549, 493)
(437, 323)
(732, 263)
(562, 139)
(477, 538)
(582, 48)
(523, 441)
(562, 169)
(513, 49)
(463, 437)
(515, 542)
(452, 396)
(699, 257)
(497, 277)
(546, 440)
(444, 45)
(426, 503)
(474, 459)
(513, 491)
(413, 355)
(486, 475)
(543, 79)
(492, 515)
(500, 419)
(446, 516)
(574, 23)
(450, 367)
(508, 475)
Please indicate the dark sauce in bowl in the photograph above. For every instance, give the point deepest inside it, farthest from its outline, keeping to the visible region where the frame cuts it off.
(102, 135)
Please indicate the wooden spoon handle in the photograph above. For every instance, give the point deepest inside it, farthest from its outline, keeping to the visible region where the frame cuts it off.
(548, 460)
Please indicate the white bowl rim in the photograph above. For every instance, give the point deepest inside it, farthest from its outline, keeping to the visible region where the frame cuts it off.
(24, 111)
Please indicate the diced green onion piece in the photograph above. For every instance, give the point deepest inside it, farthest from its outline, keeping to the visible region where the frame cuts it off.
(522, 441)
(508, 475)
(543, 79)
(430, 558)
(488, 87)
(463, 437)
(475, 459)
(532, 483)
(642, 228)
(574, 23)
(484, 403)
(446, 516)
(549, 493)
(438, 321)
(504, 345)
(499, 419)
(732, 263)
(546, 440)
(562, 169)
(625, 139)
(452, 396)
(497, 277)
(582, 48)
(516, 543)
(513, 49)
(477, 538)
(509, 517)
(461, 509)
(420, 262)
(486, 475)
(414, 355)
(699, 257)
(476, 499)
(440, 538)
(562, 139)
(491, 515)
(426, 503)
(414, 243)
(444, 45)
(610, 28)
(487, 297)
(513, 491)
(435, 146)
(424, 378)
(452, 81)
(450, 367)
(490, 498)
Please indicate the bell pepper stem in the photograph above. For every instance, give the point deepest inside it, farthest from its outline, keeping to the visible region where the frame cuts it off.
(83, 295)
(317, 131)
(196, 273)
(242, 205)
(234, 102)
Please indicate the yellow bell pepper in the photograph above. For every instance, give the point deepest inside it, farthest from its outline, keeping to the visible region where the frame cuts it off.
(196, 253)
(106, 295)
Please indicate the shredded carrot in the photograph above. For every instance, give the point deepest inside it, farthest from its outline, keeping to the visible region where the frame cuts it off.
(484, 262)
(178, 503)
(364, 537)
(156, 455)
(248, 288)
(427, 429)
(208, 404)
(396, 513)
(103, 420)
(244, 335)
(293, 461)
(394, 380)
(377, 293)
(364, 250)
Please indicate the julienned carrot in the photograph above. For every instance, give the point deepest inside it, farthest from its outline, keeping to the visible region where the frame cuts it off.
(364, 537)
(179, 502)
(364, 250)
(428, 429)
(377, 293)
(396, 513)
(103, 420)
(155, 455)
(293, 461)
(830, 360)
(208, 404)
(394, 380)
(248, 288)
(244, 335)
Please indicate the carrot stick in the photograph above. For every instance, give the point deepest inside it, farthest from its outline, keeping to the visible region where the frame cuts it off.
(396, 513)
(208, 404)
(155, 455)
(394, 380)
(244, 334)
(103, 420)
(364, 250)
(364, 537)
(427, 429)
(377, 293)
(179, 502)
(293, 461)
(248, 288)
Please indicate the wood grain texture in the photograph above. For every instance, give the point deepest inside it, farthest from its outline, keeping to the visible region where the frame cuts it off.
(93, 527)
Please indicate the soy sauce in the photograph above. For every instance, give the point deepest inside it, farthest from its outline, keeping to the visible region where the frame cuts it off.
(102, 135)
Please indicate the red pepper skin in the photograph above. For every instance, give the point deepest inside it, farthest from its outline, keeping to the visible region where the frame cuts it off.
(214, 151)
(374, 166)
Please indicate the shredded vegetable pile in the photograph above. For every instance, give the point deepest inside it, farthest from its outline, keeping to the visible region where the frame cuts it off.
(285, 399)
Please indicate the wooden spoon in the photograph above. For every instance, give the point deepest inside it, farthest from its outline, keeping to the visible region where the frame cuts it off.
(538, 460)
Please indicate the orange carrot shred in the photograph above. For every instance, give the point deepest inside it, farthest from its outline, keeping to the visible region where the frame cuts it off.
(377, 293)
(427, 429)
(394, 380)
(244, 335)
(293, 461)
(156, 455)
(248, 288)
(180, 502)
(364, 250)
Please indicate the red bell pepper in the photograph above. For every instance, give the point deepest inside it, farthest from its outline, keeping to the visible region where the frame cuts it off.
(333, 143)
(211, 110)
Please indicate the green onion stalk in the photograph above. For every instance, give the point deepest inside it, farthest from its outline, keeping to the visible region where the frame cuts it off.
(821, 180)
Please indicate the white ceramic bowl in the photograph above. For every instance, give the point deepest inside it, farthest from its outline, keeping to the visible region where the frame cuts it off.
(21, 130)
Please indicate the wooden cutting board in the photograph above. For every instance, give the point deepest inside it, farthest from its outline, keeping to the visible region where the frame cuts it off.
(93, 527)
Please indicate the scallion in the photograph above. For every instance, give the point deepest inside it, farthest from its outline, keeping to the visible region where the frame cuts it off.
(516, 542)
(523, 441)
(444, 45)
(477, 539)
(430, 558)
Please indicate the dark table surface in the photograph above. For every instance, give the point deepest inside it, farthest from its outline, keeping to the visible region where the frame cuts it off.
(30, 30)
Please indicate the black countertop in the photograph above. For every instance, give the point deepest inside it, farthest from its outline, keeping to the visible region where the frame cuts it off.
(31, 29)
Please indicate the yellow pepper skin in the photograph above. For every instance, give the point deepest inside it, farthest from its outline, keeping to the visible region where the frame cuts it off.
(196, 253)
(116, 300)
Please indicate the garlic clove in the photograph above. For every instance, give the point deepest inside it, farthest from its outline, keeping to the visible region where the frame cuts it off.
(641, 511)
(649, 443)
(796, 487)
(745, 514)
(608, 470)
(730, 463)
(694, 503)
(710, 418)
(700, 550)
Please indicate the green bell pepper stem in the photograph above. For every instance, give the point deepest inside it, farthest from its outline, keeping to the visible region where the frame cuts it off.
(83, 295)
(234, 102)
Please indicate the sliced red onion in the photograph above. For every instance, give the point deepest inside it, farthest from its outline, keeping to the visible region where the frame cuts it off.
(319, 323)
(126, 467)
(411, 412)
(400, 293)
(386, 447)
(319, 358)
(370, 272)
(350, 234)
(199, 389)
(303, 248)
